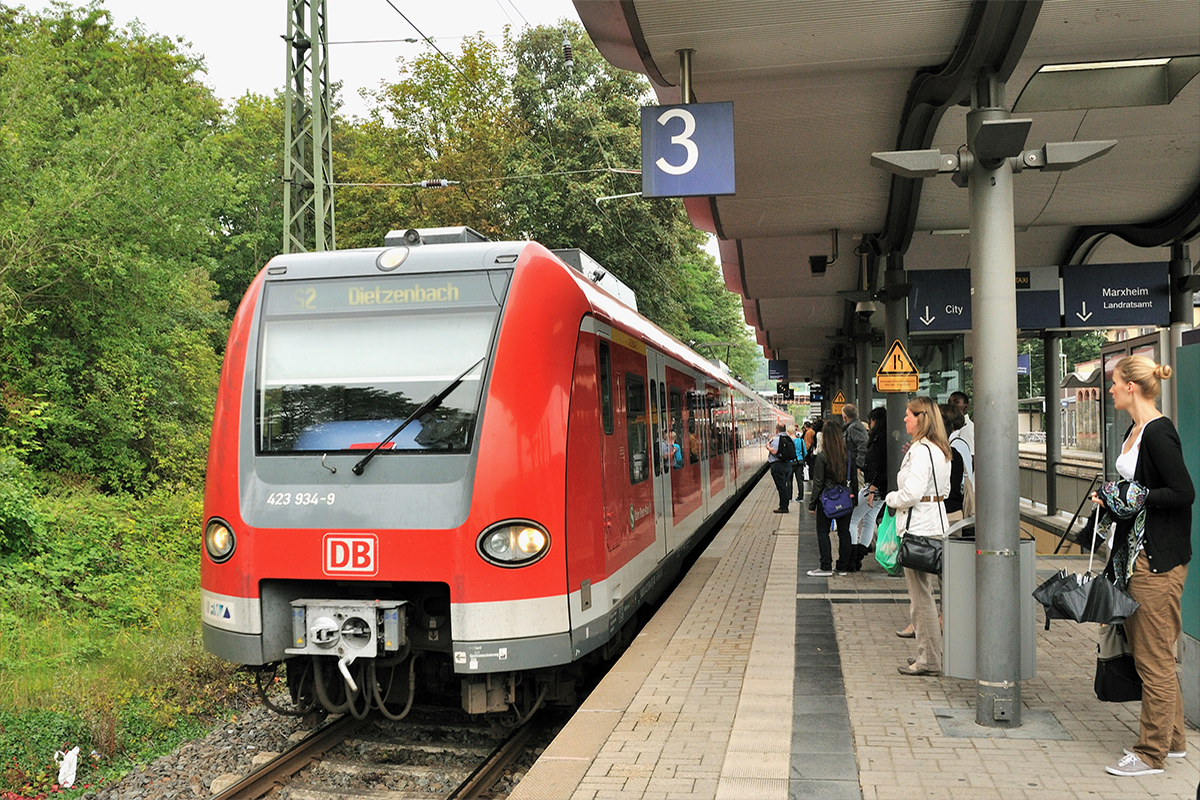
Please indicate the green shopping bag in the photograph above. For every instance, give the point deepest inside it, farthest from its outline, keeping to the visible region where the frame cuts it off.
(887, 543)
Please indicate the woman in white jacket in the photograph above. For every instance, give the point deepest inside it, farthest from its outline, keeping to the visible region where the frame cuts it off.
(921, 486)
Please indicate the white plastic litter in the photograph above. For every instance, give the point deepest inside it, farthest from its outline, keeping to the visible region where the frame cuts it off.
(67, 763)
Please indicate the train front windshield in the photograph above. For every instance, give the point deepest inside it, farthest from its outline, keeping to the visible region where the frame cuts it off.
(344, 361)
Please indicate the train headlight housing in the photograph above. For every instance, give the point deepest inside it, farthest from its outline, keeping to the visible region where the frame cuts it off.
(515, 543)
(219, 541)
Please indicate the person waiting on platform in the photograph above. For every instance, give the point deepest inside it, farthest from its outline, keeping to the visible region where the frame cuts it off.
(961, 400)
(921, 485)
(798, 462)
(855, 435)
(831, 467)
(781, 453)
(960, 466)
(1149, 557)
(874, 487)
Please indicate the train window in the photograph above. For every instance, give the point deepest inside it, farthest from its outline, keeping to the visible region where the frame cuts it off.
(344, 361)
(657, 448)
(635, 421)
(676, 433)
(606, 400)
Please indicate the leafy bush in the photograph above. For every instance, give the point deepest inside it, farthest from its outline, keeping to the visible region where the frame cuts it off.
(20, 523)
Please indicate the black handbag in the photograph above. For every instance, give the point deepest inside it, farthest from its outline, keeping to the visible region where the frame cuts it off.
(1117, 679)
(922, 553)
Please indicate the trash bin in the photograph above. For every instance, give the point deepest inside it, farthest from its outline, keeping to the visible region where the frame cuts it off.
(958, 605)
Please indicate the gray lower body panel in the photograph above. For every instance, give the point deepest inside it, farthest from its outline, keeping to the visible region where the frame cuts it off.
(511, 655)
(240, 648)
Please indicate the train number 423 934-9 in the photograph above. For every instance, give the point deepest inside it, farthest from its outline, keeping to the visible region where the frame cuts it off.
(300, 499)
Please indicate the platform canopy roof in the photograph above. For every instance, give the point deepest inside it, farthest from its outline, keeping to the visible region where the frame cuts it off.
(818, 86)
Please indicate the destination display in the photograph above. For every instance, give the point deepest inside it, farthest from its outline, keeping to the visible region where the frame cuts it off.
(392, 292)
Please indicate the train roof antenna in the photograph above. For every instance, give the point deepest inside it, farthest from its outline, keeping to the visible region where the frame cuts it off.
(430, 404)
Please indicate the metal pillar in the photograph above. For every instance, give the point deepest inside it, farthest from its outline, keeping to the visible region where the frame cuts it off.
(862, 398)
(308, 143)
(1181, 315)
(997, 516)
(895, 329)
(1051, 347)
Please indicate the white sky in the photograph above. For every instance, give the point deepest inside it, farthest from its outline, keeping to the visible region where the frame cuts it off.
(240, 39)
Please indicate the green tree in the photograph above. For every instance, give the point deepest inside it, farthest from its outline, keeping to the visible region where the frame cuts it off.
(108, 190)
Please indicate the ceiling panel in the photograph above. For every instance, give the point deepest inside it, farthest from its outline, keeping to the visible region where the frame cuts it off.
(818, 85)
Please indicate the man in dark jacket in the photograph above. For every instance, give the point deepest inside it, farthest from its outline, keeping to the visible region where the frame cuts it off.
(780, 459)
(855, 435)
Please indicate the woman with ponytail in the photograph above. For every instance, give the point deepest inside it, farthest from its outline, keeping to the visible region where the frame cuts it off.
(1149, 557)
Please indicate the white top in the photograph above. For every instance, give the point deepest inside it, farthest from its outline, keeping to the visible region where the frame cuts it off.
(967, 431)
(925, 472)
(958, 443)
(1127, 462)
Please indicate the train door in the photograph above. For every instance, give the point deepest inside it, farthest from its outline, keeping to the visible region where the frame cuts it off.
(698, 442)
(662, 449)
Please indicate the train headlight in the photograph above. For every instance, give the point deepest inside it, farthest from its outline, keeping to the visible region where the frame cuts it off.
(514, 543)
(219, 540)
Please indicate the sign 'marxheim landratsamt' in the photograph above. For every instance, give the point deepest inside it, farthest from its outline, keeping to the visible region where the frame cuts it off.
(1116, 295)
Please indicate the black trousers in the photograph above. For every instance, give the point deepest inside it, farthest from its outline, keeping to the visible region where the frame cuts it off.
(845, 559)
(781, 473)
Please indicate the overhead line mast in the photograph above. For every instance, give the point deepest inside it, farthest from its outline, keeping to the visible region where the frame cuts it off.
(308, 143)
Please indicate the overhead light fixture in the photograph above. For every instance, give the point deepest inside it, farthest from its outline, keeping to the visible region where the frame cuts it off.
(1136, 62)
(1128, 83)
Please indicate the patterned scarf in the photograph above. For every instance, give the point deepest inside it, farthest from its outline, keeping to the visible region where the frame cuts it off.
(1124, 504)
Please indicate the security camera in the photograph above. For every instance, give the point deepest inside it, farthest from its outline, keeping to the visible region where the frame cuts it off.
(865, 308)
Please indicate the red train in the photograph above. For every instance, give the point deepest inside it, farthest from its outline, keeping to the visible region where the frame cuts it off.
(454, 463)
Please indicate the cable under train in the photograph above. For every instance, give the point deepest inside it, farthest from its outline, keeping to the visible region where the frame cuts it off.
(455, 461)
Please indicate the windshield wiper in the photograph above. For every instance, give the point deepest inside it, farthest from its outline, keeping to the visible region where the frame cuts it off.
(429, 405)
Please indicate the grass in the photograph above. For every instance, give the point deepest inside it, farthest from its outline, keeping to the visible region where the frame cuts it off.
(100, 634)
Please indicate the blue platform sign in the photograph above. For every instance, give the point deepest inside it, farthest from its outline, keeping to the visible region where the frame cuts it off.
(940, 300)
(1023, 363)
(1116, 295)
(777, 370)
(687, 150)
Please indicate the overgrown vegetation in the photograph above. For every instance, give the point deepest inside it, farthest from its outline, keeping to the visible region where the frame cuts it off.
(134, 211)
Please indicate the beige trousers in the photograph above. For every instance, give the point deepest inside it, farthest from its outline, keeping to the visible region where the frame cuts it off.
(1153, 630)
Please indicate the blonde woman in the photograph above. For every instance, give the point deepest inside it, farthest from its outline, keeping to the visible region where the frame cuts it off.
(1150, 554)
(921, 486)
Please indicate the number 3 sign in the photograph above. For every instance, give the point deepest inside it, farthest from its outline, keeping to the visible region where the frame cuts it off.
(687, 150)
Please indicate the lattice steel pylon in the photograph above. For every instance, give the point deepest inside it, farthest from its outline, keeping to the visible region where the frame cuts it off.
(308, 144)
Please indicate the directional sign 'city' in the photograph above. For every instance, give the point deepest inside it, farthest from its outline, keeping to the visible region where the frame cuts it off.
(940, 300)
(1116, 295)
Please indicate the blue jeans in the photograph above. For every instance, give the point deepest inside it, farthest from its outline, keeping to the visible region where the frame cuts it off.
(864, 519)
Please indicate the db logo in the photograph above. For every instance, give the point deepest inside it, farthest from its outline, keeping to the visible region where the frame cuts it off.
(345, 553)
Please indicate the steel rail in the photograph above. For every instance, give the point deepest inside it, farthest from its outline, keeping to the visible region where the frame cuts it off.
(486, 774)
(262, 780)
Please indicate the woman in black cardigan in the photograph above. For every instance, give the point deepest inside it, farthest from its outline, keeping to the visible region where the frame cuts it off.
(1150, 556)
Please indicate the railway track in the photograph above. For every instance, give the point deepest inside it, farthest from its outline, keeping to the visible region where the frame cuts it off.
(435, 753)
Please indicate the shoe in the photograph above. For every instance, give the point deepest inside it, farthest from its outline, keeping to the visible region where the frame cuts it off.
(840, 573)
(1170, 753)
(820, 573)
(907, 633)
(781, 511)
(919, 671)
(1131, 765)
(911, 660)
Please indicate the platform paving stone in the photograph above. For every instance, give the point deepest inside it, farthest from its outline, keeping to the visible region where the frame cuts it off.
(756, 681)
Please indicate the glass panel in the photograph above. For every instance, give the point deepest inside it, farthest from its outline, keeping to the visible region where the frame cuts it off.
(635, 419)
(606, 404)
(343, 374)
(654, 427)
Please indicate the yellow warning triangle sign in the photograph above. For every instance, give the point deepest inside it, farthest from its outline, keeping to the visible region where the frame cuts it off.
(897, 362)
(840, 398)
